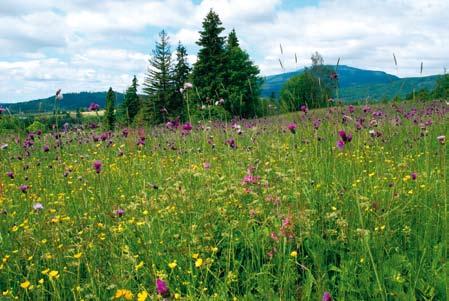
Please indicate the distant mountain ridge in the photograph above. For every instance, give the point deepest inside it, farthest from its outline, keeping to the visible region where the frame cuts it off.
(355, 83)
(70, 102)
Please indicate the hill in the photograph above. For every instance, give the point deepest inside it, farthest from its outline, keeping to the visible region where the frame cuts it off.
(359, 84)
(70, 102)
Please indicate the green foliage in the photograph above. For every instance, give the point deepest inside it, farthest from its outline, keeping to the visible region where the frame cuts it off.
(242, 81)
(180, 77)
(303, 89)
(36, 126)
(210, 112)
(109, 115)
(442, 87)
(209, 70)
(131, 104)
(158, 85)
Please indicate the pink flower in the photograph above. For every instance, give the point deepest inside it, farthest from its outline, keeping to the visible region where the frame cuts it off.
(97, 166)
(340, 145)
(162, 288)
(327, 296)
(292, 127)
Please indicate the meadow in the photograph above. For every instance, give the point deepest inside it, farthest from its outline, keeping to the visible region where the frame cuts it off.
(341, 203)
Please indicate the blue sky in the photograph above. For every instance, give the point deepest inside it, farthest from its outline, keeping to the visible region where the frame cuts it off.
(85, 45)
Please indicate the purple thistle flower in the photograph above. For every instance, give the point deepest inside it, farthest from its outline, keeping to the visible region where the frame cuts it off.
(93, 107)
(38, 207)
(97, 166)
(345, 137)
(413, 175)
(304, 109)
(119, 212)
(292, 127)
(231, 143)
(10, 174)
(186, 128)
(441, 139)
(316, 124)
(327, 296)
(162, 288)
(45, 149)
(340, 144)
(24, 188)
(125, 132)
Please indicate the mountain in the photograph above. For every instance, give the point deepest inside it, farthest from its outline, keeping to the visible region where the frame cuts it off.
(400, 87)
(357, 83)
(70, 102)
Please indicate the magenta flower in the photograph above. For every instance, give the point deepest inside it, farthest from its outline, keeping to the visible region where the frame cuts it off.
(97, 166)
(162, 288)
(187, 127)
(10, 174)
(316, 124)
(119, 212)
(292, 127)
(304, 109)
(340, 144)
(413, 175)
(206, 165)
(231, 143)
(93, 107)
(45, 149)
(24, 188)
(441, 139)
(125, 132)
(327, 296)
(345, 137)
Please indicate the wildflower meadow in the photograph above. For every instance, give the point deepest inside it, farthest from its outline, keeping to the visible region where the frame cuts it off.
(340, 203)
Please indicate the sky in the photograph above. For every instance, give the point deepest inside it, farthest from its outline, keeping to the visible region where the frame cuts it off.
(86, 45)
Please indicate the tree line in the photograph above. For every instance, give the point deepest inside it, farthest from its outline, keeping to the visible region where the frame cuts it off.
(223, 82)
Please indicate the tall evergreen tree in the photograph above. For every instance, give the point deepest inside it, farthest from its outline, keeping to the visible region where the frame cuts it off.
(242, 80)
(208, 72)
(131, 103)
(109, 114)
(180, 76)
(158, 84)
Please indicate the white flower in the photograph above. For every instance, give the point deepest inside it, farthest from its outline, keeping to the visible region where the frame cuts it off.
(188, 86)
(59, 95)
(4, 146)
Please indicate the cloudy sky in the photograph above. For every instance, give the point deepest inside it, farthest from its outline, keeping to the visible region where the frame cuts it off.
(86, 45)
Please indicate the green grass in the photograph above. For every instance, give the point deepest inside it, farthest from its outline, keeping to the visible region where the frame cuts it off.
(314, 218)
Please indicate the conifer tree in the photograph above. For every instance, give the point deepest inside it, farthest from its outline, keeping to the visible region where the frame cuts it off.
(180, 76)
(158, 84)
(109, 114)
(242, 80)
(131, 103)
(208, 72)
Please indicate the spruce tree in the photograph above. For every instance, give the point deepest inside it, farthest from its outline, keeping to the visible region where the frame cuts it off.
(208, 72)
(242, 80)
(131, 103)
(180, 76)
(158, 84)
(109, 114)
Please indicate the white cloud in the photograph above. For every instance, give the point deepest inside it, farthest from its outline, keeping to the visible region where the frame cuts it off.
(91, 45)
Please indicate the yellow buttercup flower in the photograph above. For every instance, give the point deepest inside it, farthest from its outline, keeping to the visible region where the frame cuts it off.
(26, 284)
(172, 265)
(142, 296)
(78, 255)
(53, 274)
(123, 293)
(294, 254)
(199, 262)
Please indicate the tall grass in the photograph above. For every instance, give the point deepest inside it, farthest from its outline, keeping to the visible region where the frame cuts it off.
(277, 215)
